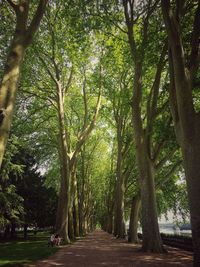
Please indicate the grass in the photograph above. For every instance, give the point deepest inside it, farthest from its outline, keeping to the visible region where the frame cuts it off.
(18, 253)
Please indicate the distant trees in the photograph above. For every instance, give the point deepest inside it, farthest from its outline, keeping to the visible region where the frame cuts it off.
(25, 201)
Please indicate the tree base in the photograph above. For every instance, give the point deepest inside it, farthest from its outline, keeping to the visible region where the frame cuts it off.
(160, 250)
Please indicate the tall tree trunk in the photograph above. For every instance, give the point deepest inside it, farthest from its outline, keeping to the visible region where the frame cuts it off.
(81, 194)
(71, 224)
(76, 217)
(186, 119)
(86, 210)
(151, 237)
(187, 128)
(119, 212)
(120, 188)
(109, 224)
(191, 156)
(8, 90)
(23, 37)
(80, 210)
(72, 197)
(63, 203)
(62, 210)
(76, 212)
(134, 218)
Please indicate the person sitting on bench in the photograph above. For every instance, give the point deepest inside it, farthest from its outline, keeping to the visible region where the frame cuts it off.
(51, 240)
(57, 240)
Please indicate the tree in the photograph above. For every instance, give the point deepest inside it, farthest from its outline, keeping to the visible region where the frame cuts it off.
(25, 200)
(22, 38)
(184, 70)
(62, 73)
(143, 131)
(12, 211)
(39, 202)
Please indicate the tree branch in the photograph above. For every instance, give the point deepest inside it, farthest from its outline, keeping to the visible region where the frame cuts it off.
(69, 81)
(34, 25)
(168, 175)
(48, 69)
(85, 102)
(165, 159)
(85, 133)
(153, 99)
(13, 5)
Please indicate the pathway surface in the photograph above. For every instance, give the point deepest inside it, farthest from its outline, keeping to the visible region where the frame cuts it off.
(101, 249)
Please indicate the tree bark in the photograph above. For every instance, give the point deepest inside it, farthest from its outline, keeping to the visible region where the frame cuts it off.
(81, 194)
(134, 218)
(71, 224)
(186, 119)
(109, 224)
(191, 160)
(119, 230)
(72, 198)
(76, 216)
(151, 237)
(63, 203)
(8, 89)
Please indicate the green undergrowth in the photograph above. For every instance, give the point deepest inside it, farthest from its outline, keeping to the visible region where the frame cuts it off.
(20, 252)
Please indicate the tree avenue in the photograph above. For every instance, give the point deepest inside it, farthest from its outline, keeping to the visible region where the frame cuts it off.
(105, 128)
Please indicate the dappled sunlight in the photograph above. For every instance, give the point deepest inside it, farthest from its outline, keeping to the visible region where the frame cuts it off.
(78, 255)
(24, 252)
(53, 263)
(101, 249)
(99, 123)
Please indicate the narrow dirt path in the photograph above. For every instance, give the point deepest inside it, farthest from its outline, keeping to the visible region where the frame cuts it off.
(101, 249)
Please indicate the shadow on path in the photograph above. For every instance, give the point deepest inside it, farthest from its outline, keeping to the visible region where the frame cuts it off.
(101, 249)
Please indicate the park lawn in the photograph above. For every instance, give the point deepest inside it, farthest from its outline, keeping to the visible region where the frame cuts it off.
(18, 253)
